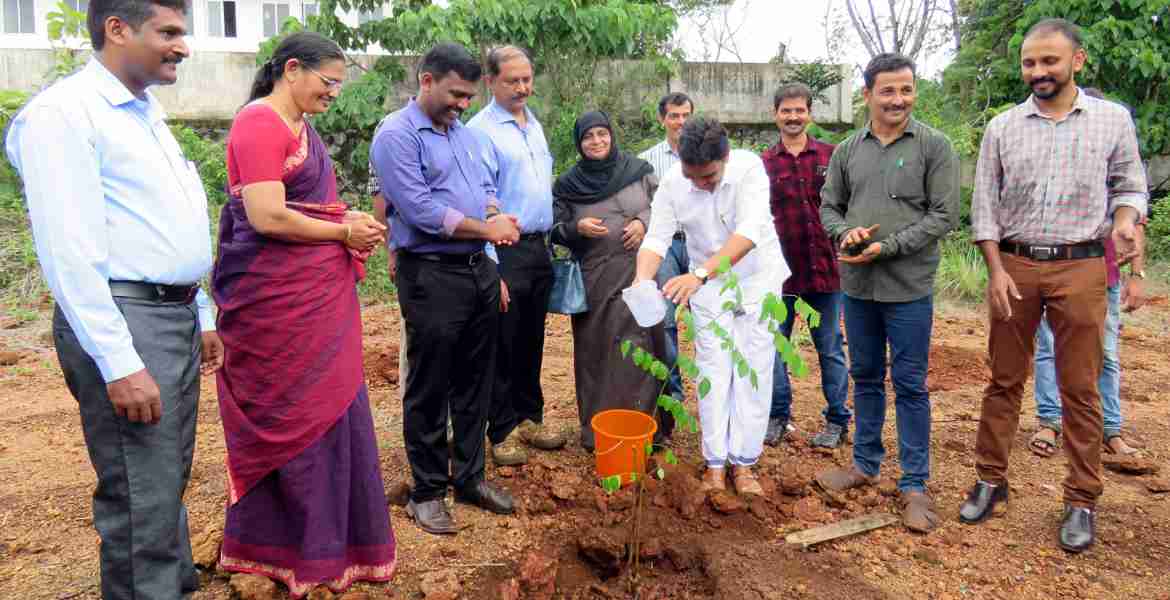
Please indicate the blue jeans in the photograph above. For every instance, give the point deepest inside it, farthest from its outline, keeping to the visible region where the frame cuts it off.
(830, 353)
(1047, 395)
(674, 264)
(906, 326)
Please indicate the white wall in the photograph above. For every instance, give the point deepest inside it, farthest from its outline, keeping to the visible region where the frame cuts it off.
(249, 25)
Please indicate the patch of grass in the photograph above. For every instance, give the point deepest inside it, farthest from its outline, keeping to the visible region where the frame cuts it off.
(377, 288)
(961, 273)
(20, 275)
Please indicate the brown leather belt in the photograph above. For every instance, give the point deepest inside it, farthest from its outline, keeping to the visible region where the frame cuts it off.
(1093, 249)
(154, 292)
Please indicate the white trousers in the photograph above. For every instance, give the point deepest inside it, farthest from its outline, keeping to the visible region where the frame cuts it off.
(733, 415)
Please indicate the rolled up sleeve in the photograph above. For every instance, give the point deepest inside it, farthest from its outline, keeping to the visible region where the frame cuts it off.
(753, 205)
(663, 221)
(68, 216)
(397, 157)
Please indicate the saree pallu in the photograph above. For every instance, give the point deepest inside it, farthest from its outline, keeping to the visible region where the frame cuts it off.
(306, 505)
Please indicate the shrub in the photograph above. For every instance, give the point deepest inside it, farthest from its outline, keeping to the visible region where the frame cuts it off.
(961, 275)
(1158, 231)
(209, 158)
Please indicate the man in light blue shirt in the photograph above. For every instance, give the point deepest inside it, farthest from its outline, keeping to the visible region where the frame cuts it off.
(517, 157)
(119, 217)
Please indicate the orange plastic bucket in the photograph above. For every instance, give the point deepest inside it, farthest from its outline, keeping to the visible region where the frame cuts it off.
(619, 441)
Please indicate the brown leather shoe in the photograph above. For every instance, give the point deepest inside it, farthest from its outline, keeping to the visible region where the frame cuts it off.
(715, 479)
(432, 516)
(838, 480)
(918, 512)
(538, 436)
(745, 481)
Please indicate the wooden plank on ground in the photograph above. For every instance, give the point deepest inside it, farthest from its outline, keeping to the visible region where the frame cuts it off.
(832, 531)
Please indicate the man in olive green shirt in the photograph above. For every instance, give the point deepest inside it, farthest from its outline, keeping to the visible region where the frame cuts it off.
(891, 192)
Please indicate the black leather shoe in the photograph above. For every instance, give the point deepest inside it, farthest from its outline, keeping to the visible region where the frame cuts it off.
(1078, 528)
(432, 516)
(981, 501)
(487, 497)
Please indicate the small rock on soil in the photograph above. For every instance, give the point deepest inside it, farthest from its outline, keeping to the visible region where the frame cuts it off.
(9, 358)
(1132, 465)
(538, 575)
(1160, 485)
(809, 508)
(398, 494)
(252, 587)
(320, 593)
(440, 585)
(727, 503)
(205, 547)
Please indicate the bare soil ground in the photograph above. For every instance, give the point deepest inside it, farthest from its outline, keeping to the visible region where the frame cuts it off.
(567, 539)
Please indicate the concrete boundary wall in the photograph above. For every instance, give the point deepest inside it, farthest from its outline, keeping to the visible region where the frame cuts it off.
(213, 85)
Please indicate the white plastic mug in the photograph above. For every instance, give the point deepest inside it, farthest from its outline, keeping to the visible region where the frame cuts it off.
(646, 303)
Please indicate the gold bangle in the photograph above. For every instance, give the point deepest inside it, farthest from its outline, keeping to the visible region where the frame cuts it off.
(348, 232)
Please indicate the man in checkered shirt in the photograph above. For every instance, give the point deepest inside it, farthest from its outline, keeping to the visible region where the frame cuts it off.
(1056, 175)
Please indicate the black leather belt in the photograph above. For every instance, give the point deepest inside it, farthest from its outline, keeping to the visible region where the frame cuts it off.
(154, 292)
(528, 237)
(1094, 249)
(466, 260)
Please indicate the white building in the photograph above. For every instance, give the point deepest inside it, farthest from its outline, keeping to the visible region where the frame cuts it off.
(213, 25)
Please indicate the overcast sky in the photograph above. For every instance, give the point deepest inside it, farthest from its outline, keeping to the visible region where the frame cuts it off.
(761, 25)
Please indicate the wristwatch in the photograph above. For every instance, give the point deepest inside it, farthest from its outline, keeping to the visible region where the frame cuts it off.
(702, 274)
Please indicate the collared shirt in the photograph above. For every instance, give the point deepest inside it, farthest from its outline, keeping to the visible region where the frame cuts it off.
(739, 205)
(110, 197)
(911, 189)
(520, 164)
(660, 156)
(1042, 181)
(796, 213)
(434, 179)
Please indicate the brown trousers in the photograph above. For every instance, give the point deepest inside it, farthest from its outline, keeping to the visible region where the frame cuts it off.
(1074, 293)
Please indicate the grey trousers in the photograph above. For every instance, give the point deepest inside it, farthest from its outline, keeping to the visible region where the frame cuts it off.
(142, 470)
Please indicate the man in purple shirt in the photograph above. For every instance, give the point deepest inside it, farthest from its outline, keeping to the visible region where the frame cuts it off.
(444, 210)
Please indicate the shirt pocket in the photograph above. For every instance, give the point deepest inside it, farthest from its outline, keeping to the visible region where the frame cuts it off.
(1090, 163)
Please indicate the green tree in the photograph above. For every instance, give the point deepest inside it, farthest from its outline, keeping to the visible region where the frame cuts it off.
(1128, 43)
(570, 42)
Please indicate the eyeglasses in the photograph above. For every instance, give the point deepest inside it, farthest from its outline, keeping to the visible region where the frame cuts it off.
(332, 84)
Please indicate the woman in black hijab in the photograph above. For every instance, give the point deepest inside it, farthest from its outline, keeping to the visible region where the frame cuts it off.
(602, 211)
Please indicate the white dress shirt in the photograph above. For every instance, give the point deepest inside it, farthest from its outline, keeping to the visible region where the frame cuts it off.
(111, 197)
(739, 205)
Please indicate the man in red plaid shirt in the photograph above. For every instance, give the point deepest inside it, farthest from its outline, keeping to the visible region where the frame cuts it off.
(796, 167)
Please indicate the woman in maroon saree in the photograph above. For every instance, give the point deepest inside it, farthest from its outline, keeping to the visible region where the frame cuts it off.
(306, 500)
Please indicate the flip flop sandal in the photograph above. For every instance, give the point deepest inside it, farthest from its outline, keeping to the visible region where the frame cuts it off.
(1128, 451)
(1042, 447)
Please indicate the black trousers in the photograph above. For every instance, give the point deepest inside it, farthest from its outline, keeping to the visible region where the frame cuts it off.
(516, 395)
(452, 316)
(142, 470)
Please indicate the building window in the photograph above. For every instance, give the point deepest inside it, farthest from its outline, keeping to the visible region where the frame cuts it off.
(221, 18)
(311, 10)
(366, 16)
(19, 16)
(80, 6)
(273, 14)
